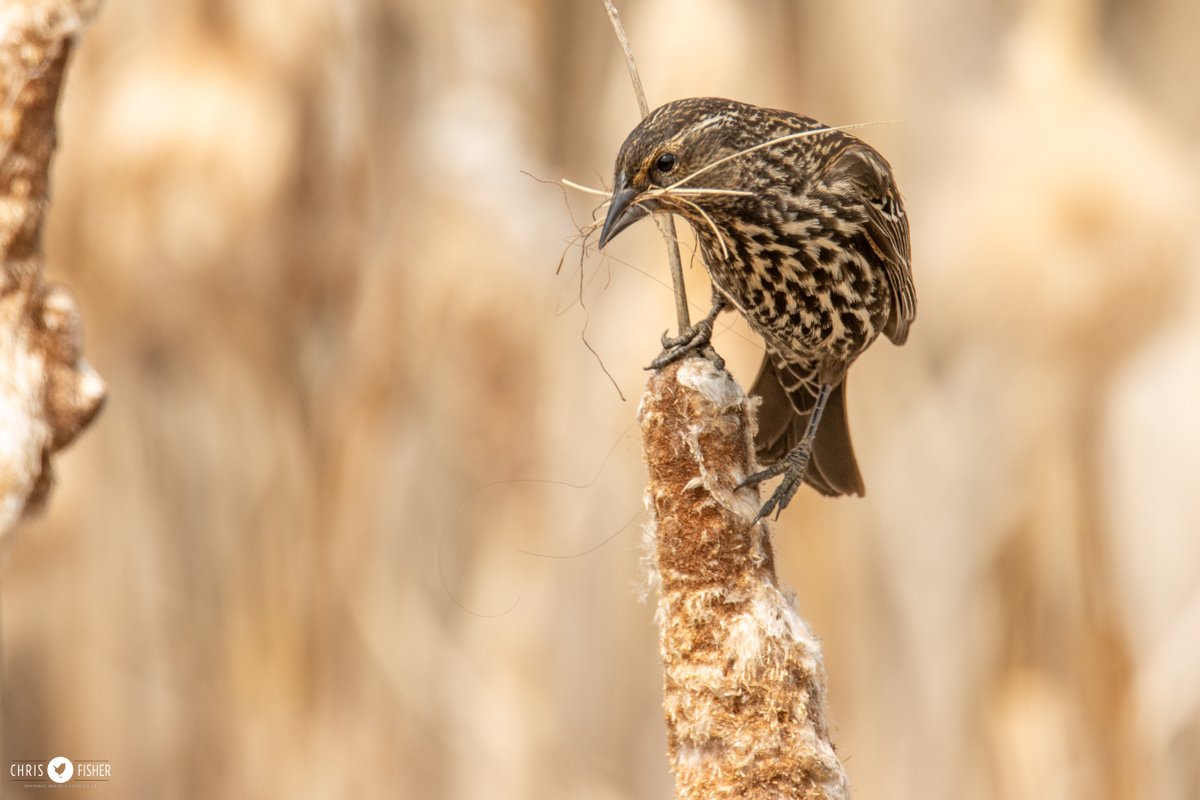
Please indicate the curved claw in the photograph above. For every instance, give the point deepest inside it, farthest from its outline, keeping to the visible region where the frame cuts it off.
(783, 494)
(792, 467)
(764, 512)
(687, 337)
(692, 339)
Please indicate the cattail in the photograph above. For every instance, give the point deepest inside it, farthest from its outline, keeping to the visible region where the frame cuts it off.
(743, 677)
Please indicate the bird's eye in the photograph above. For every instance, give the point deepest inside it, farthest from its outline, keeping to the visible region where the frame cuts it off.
(665, 162)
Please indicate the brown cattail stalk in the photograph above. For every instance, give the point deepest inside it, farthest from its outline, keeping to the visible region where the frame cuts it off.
(744, 680)
(48, 393)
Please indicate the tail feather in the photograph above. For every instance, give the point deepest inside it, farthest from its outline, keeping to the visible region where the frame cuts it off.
(783, 418)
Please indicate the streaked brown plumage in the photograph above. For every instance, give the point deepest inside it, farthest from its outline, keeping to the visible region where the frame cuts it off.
(806, 237)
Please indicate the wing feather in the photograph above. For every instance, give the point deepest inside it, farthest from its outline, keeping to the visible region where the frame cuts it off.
(870, 176)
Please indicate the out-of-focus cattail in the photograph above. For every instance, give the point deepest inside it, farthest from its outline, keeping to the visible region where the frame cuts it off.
(48, 393)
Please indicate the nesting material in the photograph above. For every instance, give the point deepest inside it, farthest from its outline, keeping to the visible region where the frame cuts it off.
(744, 680)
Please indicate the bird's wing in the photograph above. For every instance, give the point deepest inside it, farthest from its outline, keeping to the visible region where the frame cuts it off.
(870, 177)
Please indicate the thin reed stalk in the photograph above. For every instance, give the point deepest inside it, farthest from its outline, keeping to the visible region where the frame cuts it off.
(666, 224)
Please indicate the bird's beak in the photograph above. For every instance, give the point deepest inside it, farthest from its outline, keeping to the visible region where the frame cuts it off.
(620, 213)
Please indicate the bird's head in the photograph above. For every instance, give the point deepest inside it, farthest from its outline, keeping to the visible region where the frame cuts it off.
(676, 148)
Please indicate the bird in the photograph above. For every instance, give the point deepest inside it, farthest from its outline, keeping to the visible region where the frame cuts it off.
(802, 230)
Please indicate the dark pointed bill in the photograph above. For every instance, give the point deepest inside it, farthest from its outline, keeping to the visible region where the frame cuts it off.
(620, 213)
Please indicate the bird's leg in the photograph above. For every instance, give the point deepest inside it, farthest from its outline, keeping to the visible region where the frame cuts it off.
(793, 465)
(692, 339)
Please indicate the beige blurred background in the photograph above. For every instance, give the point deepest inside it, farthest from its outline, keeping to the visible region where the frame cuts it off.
(314, 546)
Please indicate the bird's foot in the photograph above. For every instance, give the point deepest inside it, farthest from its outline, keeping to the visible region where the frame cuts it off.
(792, 468)
(694, 339)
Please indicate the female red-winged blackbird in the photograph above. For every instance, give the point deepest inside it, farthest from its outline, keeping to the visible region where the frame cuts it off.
(803, 231)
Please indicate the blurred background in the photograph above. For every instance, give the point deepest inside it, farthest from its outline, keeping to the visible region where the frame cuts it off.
(362, 517)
